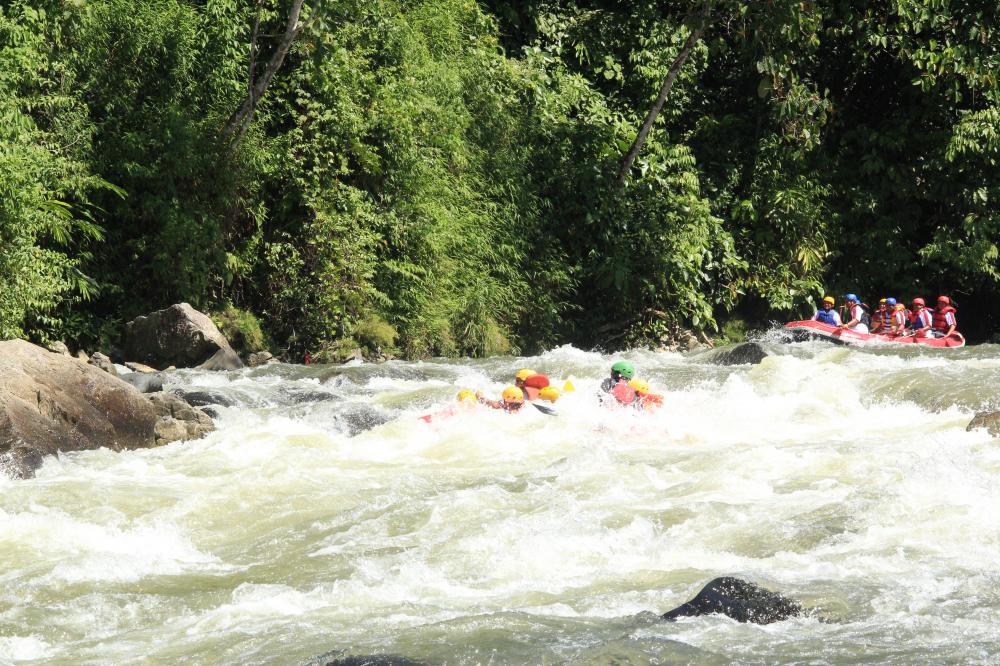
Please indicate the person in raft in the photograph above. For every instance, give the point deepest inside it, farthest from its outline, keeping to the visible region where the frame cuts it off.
(511, 400)
(645, 399)
(880, 318)
(921, 318)
(827, 315)
(617, 386)
(944, 322)
(856, 315)
(531, 383)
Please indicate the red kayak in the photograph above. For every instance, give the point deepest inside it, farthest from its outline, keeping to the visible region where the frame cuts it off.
(805, 330)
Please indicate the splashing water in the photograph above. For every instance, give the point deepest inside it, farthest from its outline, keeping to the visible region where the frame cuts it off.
(324, 515)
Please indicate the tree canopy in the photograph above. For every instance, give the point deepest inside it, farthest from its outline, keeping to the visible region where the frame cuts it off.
(440, 177)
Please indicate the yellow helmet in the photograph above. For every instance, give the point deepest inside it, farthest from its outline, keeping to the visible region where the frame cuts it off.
(512, 394)
(639, 386)
(829, 299)
(549, 393)
(523, 374)
(465, 395)
(881, 301)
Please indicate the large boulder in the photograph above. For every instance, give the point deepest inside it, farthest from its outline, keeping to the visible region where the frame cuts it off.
(739, 599)
(51, 403)
(99, 360)
(988, 420)
(178, 335)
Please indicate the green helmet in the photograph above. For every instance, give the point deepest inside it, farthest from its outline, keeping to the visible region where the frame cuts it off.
(623, 368)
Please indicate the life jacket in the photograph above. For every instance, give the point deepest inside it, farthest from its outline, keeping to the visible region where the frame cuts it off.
(648, 401)
(899, 318)
(921, 318)
(940, 322)
(537, 381)
(826, 317)
(879, 318)
(863, 317)
(623, 393)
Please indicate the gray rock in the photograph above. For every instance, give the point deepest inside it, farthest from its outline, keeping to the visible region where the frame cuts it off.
(178, 335)
(337, 659)
(51, 403)
(145, 382)
(202, 397)
(739, 599)
(99, 360)
(988, 420)
(177, 420)
(257, 359)
(57, 347)
(139, 367)
(224, 359)
(745, 353)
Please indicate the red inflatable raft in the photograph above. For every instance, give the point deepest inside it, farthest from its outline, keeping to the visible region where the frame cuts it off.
(805, 330)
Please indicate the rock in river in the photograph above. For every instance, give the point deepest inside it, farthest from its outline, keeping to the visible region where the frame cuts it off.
(988, 420)
(741, 600)
(746, 353)
(51, 403)
(180, 336)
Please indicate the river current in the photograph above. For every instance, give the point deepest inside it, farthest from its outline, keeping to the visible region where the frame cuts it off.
(324, 516)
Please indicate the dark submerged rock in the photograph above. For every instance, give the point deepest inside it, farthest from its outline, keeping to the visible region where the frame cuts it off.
(224, 359)
(179, 336)
(739, 599)
(988, 420)
(330, 659)
(745, 353)
(202, 397)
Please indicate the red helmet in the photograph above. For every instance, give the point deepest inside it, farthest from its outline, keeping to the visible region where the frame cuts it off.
(944, 299)
(919, 301)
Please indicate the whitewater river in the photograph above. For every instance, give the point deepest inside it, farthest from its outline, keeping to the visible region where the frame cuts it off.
(323, 515)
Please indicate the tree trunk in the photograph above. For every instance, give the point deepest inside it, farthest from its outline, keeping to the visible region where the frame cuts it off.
(668, 83)
(238, 123)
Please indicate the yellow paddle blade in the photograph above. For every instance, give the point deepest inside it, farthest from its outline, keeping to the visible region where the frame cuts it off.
(568, 387)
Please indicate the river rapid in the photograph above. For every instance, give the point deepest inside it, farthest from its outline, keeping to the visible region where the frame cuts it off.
(323, 515)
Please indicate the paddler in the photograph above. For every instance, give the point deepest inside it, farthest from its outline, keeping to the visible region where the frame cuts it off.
(617, 384)
(856, 314)
(944, 322)
(644, 398)
(921, 318)
(827, 315)
(511, 400)
(880, 318)
(531, 383)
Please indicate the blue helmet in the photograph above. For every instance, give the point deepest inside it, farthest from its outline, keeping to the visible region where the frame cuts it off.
(851, 297)
(890, 301)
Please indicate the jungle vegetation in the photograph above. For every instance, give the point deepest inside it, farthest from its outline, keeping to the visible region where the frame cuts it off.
(441, 177)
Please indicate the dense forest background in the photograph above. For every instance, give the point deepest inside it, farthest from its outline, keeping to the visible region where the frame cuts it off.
(441, 176)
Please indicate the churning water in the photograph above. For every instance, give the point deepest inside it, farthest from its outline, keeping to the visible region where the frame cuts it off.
(323, 515)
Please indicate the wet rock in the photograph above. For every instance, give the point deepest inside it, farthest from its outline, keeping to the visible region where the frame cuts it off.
(51, 403)
(745, 353)
(202, 397)
(57, 347)
(988, 420)
(139, 367)
(359, 417)
(99, 360)
(145, 382)
(224, 359)
(260, 358)
(177, 420)
(179, 336)
(739, 599)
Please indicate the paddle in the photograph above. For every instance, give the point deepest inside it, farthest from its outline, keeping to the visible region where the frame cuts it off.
(545, 410)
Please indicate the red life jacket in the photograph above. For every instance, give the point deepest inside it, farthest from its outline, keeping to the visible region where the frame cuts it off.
(940, 322)
(899, 318)
(879, 318)
(623, 393)
(921, 318)
(537, 381)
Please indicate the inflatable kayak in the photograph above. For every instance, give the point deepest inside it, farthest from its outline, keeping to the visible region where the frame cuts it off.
(814, 330)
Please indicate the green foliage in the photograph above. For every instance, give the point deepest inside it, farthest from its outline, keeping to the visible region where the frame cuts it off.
(241, 328)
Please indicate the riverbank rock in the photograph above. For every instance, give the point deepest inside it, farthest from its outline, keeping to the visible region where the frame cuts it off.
(101, 361)
(50, 403)
(260, 358)
(57, 347)
(179, 336)
(144, 381)
(177, 420)
(988, 420)
(745, 353)
(139, 367)
(739, 599)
